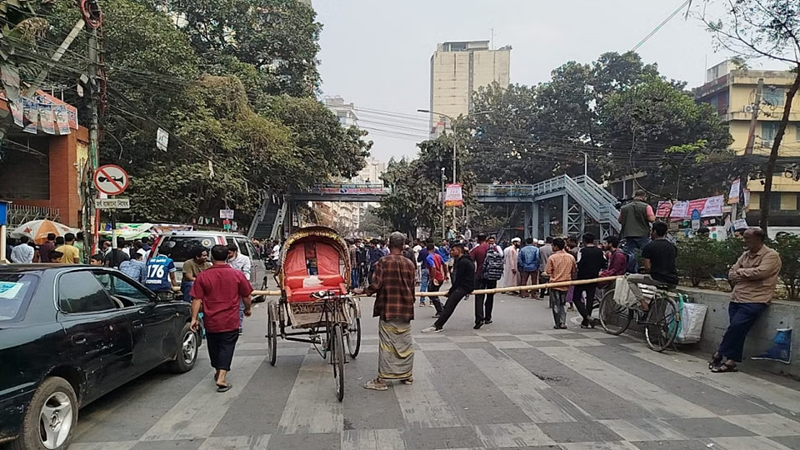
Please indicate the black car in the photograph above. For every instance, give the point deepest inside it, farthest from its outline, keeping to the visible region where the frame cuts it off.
(70, 334)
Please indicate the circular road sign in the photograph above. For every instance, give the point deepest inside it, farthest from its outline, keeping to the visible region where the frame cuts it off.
(111, 179)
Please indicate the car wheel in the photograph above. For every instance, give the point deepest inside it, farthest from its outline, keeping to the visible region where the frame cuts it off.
(186, 355)
(51, 417)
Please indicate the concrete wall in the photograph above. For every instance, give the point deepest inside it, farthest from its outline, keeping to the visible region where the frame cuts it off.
(781, 314)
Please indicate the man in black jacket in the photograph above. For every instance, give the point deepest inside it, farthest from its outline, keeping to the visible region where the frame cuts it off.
(463, 283)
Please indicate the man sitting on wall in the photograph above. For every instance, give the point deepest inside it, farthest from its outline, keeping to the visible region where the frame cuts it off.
(754, 278)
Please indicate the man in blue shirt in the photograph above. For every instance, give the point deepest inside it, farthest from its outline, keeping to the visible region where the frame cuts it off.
(444, 251)
(424, 278)
(161, 276)
(528, 262)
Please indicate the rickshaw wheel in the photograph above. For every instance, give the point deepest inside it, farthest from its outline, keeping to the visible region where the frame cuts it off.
(272, 337)
(337, 356)
(272, 342)
(353, 347)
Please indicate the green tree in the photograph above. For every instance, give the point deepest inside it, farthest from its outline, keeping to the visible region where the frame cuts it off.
(279, 38)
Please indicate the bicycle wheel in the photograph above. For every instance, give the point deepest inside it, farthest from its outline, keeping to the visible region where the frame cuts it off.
(661, 324)
(614, 317)
(337, 359)
(353, 334)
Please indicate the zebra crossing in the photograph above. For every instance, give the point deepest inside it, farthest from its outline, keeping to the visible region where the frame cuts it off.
(516, 384)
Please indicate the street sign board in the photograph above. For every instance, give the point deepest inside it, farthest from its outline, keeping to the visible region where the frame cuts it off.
(162, 139)
(226, 214)
(111, 179)
(112, 203)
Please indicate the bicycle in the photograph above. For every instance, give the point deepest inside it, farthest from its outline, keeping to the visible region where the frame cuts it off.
(661, 321)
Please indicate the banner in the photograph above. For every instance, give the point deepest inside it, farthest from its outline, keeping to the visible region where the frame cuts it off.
(46, 119)
(62, 119)
(664, 209)
(707, 207)
(733, 195)
(30, 116)
(453, 196)
(680, 210)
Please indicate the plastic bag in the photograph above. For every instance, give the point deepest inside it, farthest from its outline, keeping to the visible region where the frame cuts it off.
(692, 317)
(623, 295)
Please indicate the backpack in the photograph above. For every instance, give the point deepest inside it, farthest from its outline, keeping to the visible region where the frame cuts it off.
(633, 265)
(493, 265)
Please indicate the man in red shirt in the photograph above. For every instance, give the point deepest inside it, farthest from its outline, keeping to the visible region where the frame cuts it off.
(218, 291)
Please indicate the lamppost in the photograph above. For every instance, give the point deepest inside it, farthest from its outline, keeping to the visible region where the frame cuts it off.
(455, 142)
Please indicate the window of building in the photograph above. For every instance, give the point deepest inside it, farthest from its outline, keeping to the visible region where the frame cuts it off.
(774, 201)
(768, 131)
(797, 132)
(774, 96)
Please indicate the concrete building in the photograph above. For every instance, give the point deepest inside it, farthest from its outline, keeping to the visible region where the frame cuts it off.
(732, 92)
(346, 112)
(457, 70)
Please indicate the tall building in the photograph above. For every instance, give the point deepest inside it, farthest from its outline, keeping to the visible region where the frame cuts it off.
(457, 70)
(732, 92)
(345, 112)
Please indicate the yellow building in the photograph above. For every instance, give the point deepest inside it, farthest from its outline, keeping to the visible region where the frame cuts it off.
(732, 92)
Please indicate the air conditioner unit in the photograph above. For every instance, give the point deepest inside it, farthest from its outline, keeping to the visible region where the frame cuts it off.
(750, 109)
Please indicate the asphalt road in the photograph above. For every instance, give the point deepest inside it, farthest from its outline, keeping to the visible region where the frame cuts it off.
(517, 383)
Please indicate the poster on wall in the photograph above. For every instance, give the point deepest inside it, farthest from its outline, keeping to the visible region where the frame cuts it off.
(62, 119)
(30, 116)
(46, 119)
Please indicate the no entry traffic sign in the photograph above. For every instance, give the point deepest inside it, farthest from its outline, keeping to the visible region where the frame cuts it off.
(111, 179)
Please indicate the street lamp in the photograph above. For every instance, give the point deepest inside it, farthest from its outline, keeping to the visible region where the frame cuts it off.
(455, 141)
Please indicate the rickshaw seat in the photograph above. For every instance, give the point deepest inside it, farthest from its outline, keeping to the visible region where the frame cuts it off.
(297, 293)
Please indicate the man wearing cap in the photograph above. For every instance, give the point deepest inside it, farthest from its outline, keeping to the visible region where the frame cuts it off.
(393, 281)
(510, 273)
(463, 283)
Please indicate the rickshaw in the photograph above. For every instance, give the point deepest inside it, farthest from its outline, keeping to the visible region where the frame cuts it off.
(314, 278)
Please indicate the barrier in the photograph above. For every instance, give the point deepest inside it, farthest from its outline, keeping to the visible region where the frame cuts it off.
(487, 291)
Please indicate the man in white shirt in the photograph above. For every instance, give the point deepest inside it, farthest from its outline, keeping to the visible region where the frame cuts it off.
(241, 263)
(22, 253)
(276, 255)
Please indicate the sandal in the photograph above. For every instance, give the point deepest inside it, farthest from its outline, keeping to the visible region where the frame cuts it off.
(371, 384)
(407, 381)
(714, 361)
(224, 387)
(724, 368)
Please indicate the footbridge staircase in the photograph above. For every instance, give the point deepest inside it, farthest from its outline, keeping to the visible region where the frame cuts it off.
(583, 202)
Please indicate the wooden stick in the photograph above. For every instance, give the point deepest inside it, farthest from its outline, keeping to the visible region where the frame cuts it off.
(488, 291)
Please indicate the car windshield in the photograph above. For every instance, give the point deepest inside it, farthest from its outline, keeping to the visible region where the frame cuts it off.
(181, 248)
(15, 288)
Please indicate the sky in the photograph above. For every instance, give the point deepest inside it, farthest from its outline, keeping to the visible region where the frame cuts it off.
(376, 53)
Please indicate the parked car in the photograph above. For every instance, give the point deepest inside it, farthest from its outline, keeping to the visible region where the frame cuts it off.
(71, 334)
(179, 246)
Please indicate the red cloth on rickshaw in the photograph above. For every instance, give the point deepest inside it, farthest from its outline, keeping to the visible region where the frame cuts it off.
(296, 270)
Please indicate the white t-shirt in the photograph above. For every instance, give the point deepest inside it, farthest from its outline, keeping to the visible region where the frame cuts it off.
(276, 252)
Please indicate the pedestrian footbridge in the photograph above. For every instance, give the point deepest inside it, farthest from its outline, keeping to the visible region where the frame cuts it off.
(584, 204)
(581, 199)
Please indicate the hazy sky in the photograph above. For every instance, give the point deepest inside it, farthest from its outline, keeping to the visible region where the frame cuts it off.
(376, 53)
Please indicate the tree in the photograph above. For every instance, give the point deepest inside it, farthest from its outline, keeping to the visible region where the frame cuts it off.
(658, 126)
(277, 37)
(762, 29)
(215, 100)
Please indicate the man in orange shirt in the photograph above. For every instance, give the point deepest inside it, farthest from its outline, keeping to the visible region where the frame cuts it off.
(561, 267)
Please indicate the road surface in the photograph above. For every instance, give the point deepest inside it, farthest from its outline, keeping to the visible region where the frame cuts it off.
(517, 383)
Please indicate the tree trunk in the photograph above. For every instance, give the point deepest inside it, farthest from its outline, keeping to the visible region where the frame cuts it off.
(773, 156)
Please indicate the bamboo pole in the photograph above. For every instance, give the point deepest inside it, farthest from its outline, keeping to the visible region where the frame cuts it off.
(485, 291)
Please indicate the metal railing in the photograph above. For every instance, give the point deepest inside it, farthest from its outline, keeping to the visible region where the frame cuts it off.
(596, 201)
(19, 214)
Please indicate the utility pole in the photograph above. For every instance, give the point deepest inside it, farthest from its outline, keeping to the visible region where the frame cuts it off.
(748, 150)
(751, 135)
(93, 17)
